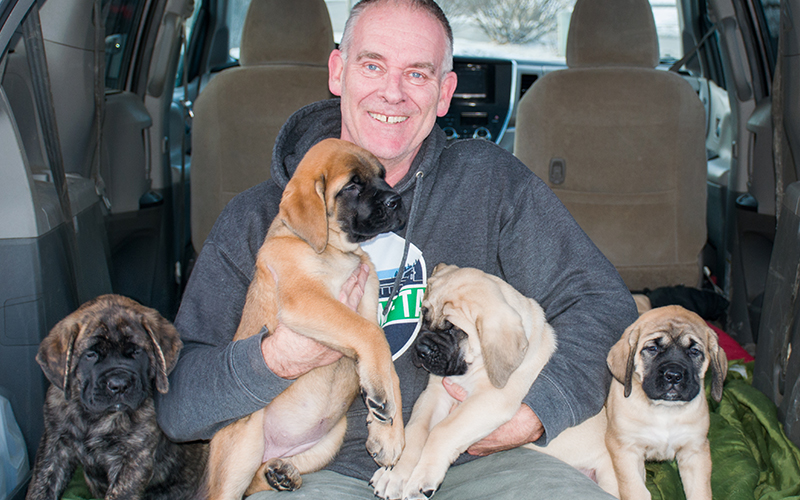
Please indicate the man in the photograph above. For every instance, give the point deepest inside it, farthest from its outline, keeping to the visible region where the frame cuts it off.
(470, 203)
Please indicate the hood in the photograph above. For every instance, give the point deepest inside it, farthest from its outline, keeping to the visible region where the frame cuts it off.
(322, 120)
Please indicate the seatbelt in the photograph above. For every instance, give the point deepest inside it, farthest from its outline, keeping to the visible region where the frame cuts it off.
(683, 60)
(99, 99)
(186, 115)
(43, 97)
(781, 154)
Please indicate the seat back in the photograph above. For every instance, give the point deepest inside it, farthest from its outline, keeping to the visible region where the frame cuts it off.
(622, 145)
(283, 66)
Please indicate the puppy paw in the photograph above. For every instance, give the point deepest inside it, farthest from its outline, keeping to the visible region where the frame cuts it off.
(385, 441)
(420, 495)
(281, 475)
(422, 484)
(387, 484)
(380, 407)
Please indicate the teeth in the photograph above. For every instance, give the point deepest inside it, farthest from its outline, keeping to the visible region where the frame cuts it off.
(388, 119)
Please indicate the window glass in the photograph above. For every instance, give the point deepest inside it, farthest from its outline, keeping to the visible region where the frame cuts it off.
(237, 10)
(122, 25)
(522, 29)
(771, 10)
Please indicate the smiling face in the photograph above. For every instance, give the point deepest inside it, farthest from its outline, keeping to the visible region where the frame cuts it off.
(392, 83)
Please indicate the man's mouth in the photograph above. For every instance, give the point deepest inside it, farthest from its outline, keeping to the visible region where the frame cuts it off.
(388, 119)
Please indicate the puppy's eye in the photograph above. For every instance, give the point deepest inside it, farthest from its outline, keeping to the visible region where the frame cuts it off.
(134, 351)
(90, 355)
(651, 349)
(695, 351)
(352, 187)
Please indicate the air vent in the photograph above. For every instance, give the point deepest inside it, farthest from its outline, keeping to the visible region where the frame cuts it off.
(527, 81)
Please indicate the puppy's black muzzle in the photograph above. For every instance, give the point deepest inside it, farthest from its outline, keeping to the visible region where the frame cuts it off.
(672, 381)
(439, 351)
(377, 209)
(386, 210)
(115, 385)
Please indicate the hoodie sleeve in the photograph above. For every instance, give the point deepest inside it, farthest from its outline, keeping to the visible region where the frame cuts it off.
(546, 256)
(216, 380)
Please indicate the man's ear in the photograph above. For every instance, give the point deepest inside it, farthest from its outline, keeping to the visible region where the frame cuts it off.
(446, 92)
(335, 70)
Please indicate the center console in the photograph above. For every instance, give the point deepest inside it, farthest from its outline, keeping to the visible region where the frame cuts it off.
(483, 101)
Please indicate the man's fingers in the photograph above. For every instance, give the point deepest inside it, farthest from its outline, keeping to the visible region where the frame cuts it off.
(454, 390)
(353, 288)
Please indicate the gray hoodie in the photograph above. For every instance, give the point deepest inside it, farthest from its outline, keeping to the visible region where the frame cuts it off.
(474, 205)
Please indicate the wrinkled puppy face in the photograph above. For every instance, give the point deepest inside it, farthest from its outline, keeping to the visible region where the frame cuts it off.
(366, 205)
(113, 370)
(668, 351)
(339, 188)
(111, 353)
(441, 350)
(673, 366)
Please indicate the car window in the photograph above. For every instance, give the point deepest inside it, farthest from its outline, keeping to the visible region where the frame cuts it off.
(122, 23)
(520, 29)
(770, 19)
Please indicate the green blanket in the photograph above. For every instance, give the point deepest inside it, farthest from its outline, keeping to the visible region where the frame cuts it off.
(752, 457)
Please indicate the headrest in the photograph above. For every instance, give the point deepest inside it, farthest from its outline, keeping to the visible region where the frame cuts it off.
(281, 31)
(612, 33)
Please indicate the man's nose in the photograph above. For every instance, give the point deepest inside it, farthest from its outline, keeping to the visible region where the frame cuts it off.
(393, 87)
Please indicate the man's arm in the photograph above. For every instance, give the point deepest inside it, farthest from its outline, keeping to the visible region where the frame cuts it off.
(218, 381)
(523, 428)
(546, 256)
(215, 381)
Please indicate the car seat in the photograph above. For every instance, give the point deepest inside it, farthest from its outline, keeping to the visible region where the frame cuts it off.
(283, 66)
(622, 144)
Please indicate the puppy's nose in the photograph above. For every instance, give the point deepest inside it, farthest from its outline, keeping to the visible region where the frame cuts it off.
(392, 201)
(673, 375)
(117, 384)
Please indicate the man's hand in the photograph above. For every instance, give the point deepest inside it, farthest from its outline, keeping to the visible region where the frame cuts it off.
(523, 428)
(289, 354)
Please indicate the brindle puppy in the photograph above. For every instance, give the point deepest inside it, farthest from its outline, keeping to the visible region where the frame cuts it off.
(105, 361)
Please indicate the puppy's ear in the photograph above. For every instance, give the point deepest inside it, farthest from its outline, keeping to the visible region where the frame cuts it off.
(55, 352)
(621, 358)
(303, 210)
(718, 362)
(166, 346)
(503, 342)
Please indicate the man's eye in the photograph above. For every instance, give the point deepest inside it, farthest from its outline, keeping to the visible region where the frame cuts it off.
(372, 67)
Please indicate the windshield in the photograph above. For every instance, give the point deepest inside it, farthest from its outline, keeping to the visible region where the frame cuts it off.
(532, 30)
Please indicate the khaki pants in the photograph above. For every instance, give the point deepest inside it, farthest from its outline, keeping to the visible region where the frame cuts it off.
(509, 475)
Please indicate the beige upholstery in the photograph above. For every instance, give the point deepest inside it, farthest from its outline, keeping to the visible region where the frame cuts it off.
(632, 142)
(283, 57)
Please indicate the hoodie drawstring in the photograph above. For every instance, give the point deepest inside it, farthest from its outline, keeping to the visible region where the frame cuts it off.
(402, 267)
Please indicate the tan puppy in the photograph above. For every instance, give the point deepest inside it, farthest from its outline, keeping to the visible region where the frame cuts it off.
(336, 199)
(656, 407)
(584, 448)
(491, 340)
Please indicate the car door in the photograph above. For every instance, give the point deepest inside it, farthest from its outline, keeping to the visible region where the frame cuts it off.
(86, 209)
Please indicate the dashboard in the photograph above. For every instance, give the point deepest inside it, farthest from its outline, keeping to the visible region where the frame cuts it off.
(486, 96)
